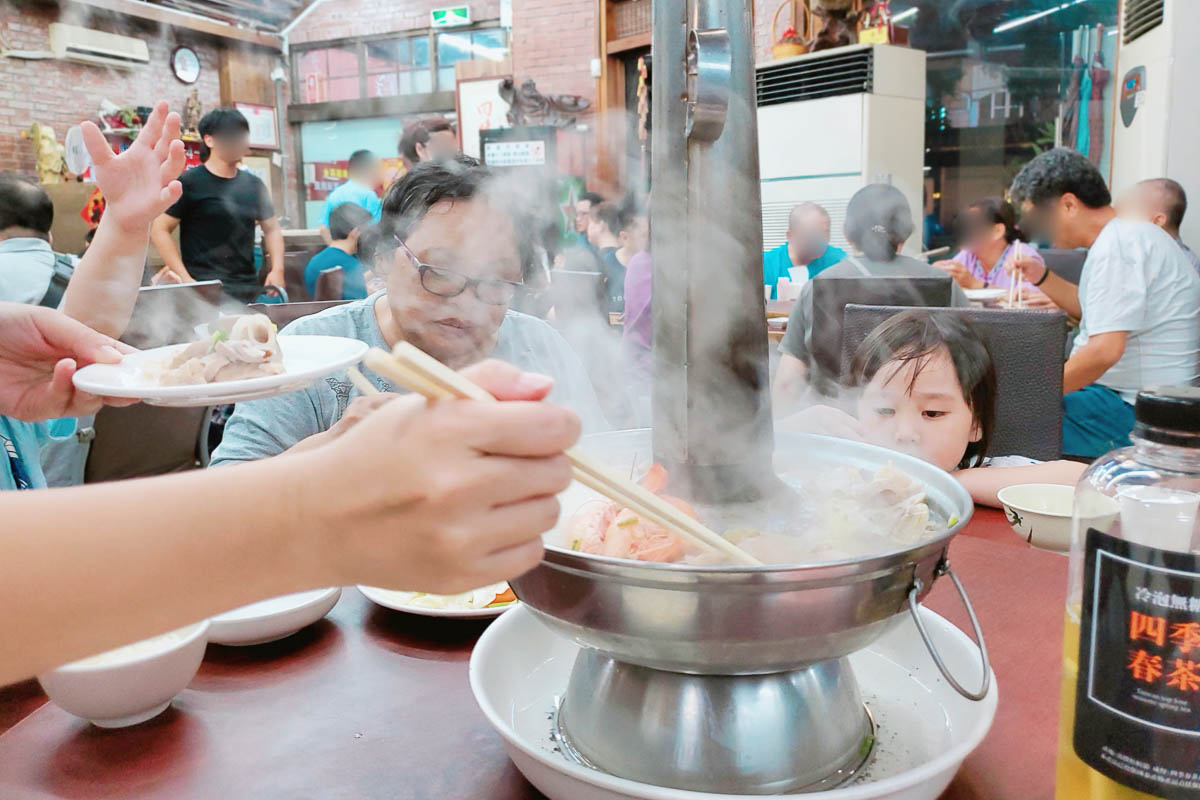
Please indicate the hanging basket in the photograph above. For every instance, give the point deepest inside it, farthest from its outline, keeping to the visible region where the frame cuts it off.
(787, 49)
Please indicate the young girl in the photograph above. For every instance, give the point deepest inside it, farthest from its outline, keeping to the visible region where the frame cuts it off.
(928, 389)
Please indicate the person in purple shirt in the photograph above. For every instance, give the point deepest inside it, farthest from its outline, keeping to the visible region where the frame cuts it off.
(638, 336)
(989, 238)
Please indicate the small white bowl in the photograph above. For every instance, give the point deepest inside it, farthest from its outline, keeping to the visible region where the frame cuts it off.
(131, 684)
(273, 619)
(1040, 513)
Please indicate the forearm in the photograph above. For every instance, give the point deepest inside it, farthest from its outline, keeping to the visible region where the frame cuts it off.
(791, 382)
(165, 244)
(104, 287)
(1064, 294)
(274, 242)
(86, 569)
(984, 483)
(1085, 367)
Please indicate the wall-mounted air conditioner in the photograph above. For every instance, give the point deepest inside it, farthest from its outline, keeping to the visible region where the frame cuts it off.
(74, 43)
(1156, 119)
(833, 121)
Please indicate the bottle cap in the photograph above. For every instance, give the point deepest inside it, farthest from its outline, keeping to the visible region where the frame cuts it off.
(1169, 414)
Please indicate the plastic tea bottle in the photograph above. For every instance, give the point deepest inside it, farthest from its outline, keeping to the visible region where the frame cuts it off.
(1130, 704)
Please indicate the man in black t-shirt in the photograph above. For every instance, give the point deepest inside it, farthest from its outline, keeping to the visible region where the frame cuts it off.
(217, 213)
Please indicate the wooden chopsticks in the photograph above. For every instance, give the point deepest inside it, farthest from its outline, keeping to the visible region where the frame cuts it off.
(419, 372)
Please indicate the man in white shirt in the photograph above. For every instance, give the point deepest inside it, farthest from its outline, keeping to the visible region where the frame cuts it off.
(1163, 202)
(1138, 300)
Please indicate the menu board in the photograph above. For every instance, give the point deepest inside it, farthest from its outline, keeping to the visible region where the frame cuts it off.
(531, 153)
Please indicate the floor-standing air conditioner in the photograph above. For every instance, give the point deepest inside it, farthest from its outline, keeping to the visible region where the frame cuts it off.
(1156, 124)
(833, 121)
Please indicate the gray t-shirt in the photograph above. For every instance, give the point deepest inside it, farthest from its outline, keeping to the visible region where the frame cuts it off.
(797, 341)
(264, 428)
(1137, 279)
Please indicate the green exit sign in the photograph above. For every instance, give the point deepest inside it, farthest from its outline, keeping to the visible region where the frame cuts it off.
(450, 17)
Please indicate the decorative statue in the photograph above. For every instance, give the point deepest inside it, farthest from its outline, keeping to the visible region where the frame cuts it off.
(840, 18)
(192, 111)
(49, 153)
(528, 106)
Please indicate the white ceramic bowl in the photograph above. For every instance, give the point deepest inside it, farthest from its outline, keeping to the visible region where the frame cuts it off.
(276, 618)
(1040, 513)
(131, 684)
(519, 669)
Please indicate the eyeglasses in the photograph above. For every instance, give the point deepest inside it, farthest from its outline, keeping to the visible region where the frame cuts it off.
(444, 282)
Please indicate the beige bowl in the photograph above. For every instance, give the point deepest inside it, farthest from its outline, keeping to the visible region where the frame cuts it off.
(130, 684)
(1040, 513)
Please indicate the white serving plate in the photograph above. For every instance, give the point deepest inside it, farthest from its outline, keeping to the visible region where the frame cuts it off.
(989, 295)
(388, 599)
(273, 619)
(925, 729)
(305, 359)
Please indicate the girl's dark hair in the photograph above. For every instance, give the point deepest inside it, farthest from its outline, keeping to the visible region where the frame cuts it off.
(989, 211)
(878, 221)
(919, 334)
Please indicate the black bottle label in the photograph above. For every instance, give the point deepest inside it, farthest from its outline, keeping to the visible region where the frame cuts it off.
(1137, 703)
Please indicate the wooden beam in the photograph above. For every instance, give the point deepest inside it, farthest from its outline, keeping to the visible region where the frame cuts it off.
(371, 107)
(178, 19)
(628, 43)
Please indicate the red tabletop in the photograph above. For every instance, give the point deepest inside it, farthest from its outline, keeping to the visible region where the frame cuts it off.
(374, 703)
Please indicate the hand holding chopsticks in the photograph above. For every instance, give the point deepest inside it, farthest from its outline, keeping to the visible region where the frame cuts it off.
(421, 373)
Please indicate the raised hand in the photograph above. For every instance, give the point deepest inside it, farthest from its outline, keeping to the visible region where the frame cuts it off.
(40, 350)
(140, 183)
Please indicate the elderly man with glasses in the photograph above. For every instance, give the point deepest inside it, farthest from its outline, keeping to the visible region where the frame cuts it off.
(451, 252)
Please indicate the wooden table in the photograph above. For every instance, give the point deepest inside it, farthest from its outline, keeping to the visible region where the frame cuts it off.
(371, 703)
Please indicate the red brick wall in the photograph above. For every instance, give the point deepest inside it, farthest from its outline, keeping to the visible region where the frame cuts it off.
(63, 93)
(554, 42)
(342, 19)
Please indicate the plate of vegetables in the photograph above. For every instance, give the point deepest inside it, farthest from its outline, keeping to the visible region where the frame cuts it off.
(486, 602)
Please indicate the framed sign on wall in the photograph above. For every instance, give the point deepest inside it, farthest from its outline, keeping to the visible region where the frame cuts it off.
(263, 133)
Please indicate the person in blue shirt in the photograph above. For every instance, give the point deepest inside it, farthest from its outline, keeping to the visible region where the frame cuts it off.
(346, 223)
(807, 245)
(366, 172)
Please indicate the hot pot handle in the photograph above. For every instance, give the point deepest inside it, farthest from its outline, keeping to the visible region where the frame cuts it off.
(943, 568)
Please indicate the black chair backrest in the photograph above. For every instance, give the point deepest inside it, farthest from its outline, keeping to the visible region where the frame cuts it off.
(169, 313)
(832, 295)
(1027, 349)
(283, 314)
(294, 262)
(331, 284)
(142, 440)
(1066, 264)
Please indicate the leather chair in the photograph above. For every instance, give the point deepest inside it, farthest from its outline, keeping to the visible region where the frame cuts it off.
(1066, 264)
(283, 314)
(294, 262)
(143, 440)
(169, 313)
(832, 295)
(1027, 349)
(331, 284)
